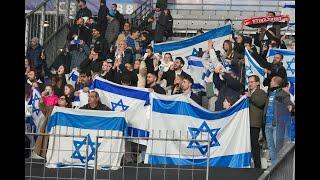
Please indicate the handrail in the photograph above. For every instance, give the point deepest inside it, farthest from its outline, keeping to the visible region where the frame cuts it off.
(37, 8)
(58, 30)
(282, 156)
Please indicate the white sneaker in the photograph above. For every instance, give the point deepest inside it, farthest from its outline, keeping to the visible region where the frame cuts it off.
(35, 156)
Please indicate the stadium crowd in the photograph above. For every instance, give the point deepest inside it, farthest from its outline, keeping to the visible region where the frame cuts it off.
(108, 46)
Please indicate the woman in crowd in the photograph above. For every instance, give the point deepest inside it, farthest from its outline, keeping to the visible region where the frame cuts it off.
(69, 92)
(48, 96)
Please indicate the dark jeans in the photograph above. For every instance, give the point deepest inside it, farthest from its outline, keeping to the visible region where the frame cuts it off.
(255, 147)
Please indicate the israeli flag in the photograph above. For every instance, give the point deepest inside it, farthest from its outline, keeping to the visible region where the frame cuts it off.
(288, 63)
(133, 100)
(198, 72)
(191, 46)
(79, 129)
(253, 68)
(37, 118)
(222, 137)
(72, 77)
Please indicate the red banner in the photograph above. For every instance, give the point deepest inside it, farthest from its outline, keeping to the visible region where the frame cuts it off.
(265, 19)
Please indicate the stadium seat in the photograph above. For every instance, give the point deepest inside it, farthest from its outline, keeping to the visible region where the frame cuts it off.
(180, 24)
(234, 15)
(196, 12)
(246, 14)
(209, 13)
(177, 16)
(183, 12)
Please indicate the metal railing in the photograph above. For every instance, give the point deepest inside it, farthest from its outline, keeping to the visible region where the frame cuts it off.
(284, 168)
(139, 14)
(46, 21)
(95, 171)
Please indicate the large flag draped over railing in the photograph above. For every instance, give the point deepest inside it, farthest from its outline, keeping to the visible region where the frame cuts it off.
(288, 63)
(179, 117)
(133, 100)
(191, 46)
(67, 151)
(253, 68)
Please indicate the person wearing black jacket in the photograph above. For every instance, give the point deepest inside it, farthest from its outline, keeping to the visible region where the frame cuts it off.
(227, 84)
(151, 83)
(82, 32)
(272, 69)
(102, 17)
(106, 70)
(186, 87)
(118, 16)
(161, 27)
(131, 74)
(63, 58)
(93, 63)
(84, 11)
(169, 24)
(94, 103)
(98, 42)
(170, 75)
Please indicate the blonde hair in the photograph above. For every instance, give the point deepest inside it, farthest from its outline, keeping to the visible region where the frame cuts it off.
(121, 37)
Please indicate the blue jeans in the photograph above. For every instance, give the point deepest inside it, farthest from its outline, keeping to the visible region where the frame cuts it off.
(271, 141)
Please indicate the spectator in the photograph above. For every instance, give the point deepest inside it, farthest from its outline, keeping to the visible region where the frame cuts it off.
(170, 75)
(84, 80)
(48, 96)
(94, 103)
(124, 52)
(91, 22)
(134, 44)
(125, 80)
(162, 25)
(112, 31)
(257, 100)
(229, 101)
(57, 85)
(166, 62)
(63, 58)
(32, 81)
(64, 102)
(149, 58)
(78, 34)
(186, 87)
(131, 74)
(274, 25)
(37, 56)
(144, 41)
(276, 94)
(102, 17)
(93, 63)
(141, 70)
(169, 24)
(238, 48)
(119, 70)
(150, 23)
(69, 93)
(151, 83)
(83, 10)
(98, 42)
(106, 70)
(176, 88)
(227, 52)
(118, 16)
(79, 55)
(126, 29)
(227, 84)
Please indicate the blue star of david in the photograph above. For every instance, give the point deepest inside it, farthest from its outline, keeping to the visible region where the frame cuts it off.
(203, 128)
(248, 69)
(289, 65)
(120, 103)
(194, 53)
(34, 108)
(78, 144)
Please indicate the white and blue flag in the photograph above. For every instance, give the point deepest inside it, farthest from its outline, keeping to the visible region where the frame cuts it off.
(288, 63)
(226, 133)
(191, 46)
(80, 129)
(133, 100)
(253, 68)
(72, 77)
(198, 72)
(37, 118)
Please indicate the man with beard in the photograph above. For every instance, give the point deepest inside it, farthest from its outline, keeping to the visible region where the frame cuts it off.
(151, 83)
